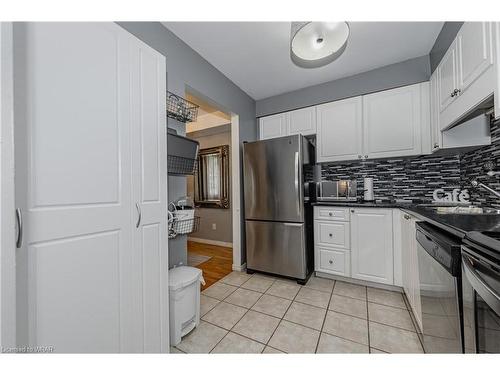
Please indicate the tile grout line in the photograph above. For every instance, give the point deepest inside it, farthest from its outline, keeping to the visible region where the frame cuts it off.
(230, 330)
(368, 322)
(246, 312)
(324, 318)
(234, 325)
(281, 319)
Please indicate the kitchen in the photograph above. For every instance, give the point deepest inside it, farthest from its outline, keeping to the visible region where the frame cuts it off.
(360, 191)
(375, 193)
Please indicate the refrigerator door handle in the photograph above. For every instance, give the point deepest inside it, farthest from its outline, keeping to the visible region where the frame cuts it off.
(297, 180)
(293, 224)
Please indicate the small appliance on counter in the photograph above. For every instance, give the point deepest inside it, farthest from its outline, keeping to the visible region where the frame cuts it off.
(368, 195)
(341, 190)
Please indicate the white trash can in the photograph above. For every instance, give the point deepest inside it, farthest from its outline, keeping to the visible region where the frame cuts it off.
(184, 301)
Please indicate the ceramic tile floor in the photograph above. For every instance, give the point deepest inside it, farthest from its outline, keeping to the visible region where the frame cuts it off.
(260, 314)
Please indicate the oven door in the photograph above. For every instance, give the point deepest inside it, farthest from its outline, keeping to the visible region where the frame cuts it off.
(481, 303)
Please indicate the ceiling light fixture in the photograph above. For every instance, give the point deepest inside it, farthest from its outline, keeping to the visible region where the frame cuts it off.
(315, 44)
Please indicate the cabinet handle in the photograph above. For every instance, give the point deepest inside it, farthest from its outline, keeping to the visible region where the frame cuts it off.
(331, 235)
(330, 214)
(407, 217)
(352, 211)
(330, 261)
(359, 156)
(19, 219)
(455, 92)
(139, 215)
(366, 156)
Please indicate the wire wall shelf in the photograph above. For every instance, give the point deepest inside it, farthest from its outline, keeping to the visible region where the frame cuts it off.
(181, 109)
(178, 227)
(179, 166)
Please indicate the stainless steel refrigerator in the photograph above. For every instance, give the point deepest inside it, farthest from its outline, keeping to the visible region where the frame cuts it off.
(278, 222)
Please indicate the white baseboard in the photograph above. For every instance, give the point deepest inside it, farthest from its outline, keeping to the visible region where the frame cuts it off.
(240, 268)
(211, 242)
(372, 284)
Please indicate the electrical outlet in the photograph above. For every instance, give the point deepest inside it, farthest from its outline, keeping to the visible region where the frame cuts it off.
(214, 226)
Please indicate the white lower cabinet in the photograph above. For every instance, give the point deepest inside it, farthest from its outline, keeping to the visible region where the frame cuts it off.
(356, 243)
(372, 245)
(409, 260)
(334, 261)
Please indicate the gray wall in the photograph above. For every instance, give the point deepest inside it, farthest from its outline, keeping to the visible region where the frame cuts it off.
(400, 74)
(221, 217)
(188, 71)
(443, 41)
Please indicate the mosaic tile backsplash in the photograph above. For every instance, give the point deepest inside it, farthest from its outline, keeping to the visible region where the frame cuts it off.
(418, 177)
(472, 167)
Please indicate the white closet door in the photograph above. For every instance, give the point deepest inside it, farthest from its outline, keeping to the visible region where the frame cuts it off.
(149, 171)
(73, 184)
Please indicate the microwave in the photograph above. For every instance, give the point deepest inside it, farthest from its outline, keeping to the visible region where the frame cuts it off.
(340, 190)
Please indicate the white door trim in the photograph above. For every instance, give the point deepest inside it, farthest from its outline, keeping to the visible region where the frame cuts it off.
(236, 191)
(7, 196)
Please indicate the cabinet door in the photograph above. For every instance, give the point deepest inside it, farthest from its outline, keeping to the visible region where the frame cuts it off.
(339, 130)
(302, 121)
(392, 122)
(372, 245)
(436, 137)
(75, 267)
(474, 52)
(447, 77)
(149, 176)
(411, 284)
(272, 126)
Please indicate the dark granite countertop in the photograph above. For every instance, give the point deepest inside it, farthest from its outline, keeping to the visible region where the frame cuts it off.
(457, 224)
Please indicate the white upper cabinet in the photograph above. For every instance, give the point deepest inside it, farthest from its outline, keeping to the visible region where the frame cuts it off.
(436, 138)
(474, 52)
(302, 121)
(392, 122)
(496, 58)
(372, 245)
(465, 74)
(339, 135)
(272, 126)
(447, 77)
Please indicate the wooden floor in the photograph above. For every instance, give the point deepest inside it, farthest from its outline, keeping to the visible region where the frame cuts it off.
(218, 266)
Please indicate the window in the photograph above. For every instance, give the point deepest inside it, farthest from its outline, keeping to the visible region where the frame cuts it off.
(212, 178)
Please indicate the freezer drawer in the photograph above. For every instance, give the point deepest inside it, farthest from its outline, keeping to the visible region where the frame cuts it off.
(278, 248)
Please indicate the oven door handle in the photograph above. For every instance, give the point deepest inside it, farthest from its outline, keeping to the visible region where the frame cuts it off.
(480, 286)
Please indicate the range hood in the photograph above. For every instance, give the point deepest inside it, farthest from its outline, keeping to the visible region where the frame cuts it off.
(182, 154)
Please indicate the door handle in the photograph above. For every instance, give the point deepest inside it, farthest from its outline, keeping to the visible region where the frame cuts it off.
(19, 220)
(297, 184)
(482, 288)
(139, 213)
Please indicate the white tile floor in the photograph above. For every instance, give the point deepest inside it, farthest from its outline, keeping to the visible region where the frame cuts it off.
(260, 314)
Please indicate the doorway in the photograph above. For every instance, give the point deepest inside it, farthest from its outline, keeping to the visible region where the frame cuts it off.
(210, 248)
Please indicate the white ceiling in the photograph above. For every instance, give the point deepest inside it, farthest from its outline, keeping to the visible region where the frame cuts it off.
(255, 55)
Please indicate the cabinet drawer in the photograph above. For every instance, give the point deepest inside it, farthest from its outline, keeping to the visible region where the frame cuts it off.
(331, 213)
(336, 234)
(333, 261)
